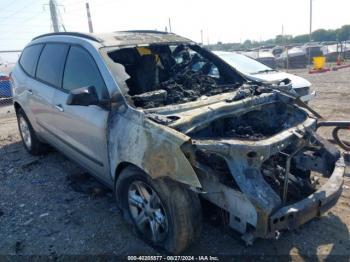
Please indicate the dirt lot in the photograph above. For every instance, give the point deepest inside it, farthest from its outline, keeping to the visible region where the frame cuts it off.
(50, 206)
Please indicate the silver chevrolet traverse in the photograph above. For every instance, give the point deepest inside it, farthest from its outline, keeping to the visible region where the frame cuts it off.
(143, 112)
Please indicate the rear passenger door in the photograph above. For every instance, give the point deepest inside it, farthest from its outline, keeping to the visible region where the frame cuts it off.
(82, 129)
(49, 74)
(25, 83)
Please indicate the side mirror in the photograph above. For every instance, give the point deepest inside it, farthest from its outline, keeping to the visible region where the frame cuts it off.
(84, 96)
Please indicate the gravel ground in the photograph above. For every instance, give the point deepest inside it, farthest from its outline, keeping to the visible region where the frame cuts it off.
(49, 206)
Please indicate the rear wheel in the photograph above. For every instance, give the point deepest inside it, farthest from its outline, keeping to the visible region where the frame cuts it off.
(29, 138)
(164, 213)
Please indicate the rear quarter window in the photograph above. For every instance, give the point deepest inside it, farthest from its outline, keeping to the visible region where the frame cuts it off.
(51, 64)
(29, 58)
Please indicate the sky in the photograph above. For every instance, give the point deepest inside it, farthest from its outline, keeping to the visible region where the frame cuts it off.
(220, 20)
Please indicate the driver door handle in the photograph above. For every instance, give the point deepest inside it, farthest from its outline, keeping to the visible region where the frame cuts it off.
(59, 107)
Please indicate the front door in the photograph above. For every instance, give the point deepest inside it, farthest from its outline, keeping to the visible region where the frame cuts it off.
(82, 129)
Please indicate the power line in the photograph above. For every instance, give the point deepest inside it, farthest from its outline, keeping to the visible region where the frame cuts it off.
(33, 18)
(24, 12)
(106, 2)
(101, 3)
(20, 20)
(71, 3)
(18, 11)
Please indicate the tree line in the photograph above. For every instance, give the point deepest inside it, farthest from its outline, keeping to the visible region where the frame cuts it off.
(320, 35)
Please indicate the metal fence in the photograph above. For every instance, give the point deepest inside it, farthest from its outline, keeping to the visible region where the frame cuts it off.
(5, 91)
(8, 58)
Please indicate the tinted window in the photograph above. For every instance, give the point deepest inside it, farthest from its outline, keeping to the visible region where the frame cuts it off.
(51, 63)
(81, 71)
(29, 58)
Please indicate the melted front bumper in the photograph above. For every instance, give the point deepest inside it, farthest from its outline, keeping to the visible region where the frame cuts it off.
(292, 216)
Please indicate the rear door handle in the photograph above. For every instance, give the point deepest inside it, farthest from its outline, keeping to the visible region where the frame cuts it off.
(30, 91)
(59, 108)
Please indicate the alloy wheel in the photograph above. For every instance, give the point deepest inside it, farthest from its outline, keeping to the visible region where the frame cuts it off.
(147, 211)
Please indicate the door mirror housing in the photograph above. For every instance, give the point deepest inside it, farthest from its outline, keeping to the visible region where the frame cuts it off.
(84, 96)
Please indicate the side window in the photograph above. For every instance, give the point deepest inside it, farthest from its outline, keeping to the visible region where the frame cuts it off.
(81, 71)
(51, 64)
(29, 58)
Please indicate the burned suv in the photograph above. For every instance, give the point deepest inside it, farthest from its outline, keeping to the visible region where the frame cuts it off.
(170, 126)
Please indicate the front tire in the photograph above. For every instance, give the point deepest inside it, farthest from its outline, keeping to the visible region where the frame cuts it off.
(29, 138)
(165, 213)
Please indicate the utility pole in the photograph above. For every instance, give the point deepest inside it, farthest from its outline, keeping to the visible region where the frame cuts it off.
(284, 39)
(310, 19)
(202, 36)
(54, 16)
(310, 36)
(91, 30)
(170, 25)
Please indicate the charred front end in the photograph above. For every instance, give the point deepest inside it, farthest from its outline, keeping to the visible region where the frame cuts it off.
(255, 153)
(264, 165)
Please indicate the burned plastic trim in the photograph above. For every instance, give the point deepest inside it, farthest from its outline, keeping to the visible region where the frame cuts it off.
(292, 216)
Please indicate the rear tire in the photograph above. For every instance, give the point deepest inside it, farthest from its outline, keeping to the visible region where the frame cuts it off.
(29, 138)
(180, 208)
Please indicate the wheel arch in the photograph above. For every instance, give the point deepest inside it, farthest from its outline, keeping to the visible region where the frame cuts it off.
(121, 166)
(26, 111)
(17, 106)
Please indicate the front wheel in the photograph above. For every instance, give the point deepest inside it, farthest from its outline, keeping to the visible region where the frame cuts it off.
(164, 213)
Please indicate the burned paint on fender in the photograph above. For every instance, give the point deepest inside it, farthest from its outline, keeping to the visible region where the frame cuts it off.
(154, 148)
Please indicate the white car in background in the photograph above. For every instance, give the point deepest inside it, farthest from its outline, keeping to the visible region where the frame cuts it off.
(257, 71)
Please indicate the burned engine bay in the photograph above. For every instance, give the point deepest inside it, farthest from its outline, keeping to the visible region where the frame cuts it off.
(160, 75)
(261, 140)
(257, 124)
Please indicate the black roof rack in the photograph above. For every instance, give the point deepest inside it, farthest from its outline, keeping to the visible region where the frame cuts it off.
(87, 36)
(143, 31)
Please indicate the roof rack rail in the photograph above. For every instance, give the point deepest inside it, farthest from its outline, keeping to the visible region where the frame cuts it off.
(77, 34)
(143, 31)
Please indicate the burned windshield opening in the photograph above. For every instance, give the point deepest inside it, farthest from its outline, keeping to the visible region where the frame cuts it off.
(160, 75)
